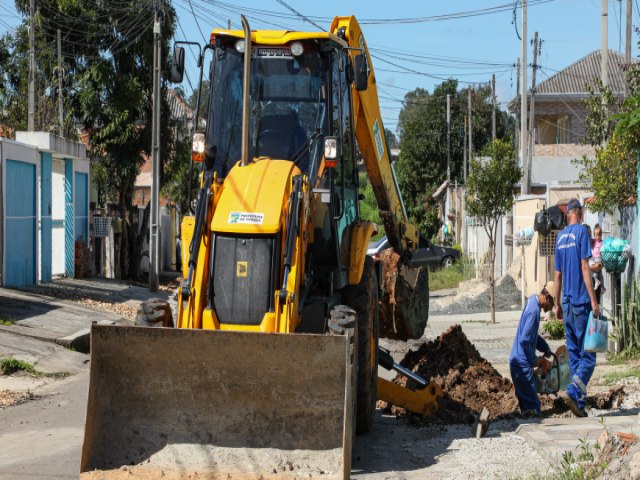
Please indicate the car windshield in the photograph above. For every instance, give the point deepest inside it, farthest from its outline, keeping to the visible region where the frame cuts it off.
(288, 107)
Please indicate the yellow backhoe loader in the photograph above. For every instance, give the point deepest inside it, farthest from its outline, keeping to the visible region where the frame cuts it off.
(272, 366)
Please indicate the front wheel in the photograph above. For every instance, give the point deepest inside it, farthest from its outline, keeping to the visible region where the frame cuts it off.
(363, 298)
(447, 262)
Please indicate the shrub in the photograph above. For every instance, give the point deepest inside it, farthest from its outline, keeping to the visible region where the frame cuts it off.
(555, 329)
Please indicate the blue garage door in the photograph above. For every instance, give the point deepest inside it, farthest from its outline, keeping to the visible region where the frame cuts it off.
(20, 255)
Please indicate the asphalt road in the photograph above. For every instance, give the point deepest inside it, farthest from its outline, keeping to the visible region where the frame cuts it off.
(42, 439)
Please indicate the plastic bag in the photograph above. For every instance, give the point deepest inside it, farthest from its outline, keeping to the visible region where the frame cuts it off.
(557, 218)
(596, 338)
(614, 244)
(542, 222)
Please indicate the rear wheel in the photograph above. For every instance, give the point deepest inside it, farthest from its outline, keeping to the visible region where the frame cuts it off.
(363, 298)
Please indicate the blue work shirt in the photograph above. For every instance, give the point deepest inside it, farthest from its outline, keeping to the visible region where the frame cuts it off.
(527, 340)
(572, 246)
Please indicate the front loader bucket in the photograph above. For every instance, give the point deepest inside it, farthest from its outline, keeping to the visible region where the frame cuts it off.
(173, 403)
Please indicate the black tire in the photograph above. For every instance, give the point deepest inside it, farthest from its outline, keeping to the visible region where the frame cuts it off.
(447, 261)
(363, 298)
(154, 312)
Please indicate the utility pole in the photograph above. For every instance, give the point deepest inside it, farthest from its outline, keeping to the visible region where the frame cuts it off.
(448, 137)
(604, 52)
(470, 133)
(465, 248)
(32, 67)
(524, 190)
(532, 122)
(493, 107)
(627, 47)
(60, 111)
(516, 137)
(154, 233)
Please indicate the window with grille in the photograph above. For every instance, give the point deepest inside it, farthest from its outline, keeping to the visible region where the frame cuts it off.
(101, 226)
(547, 244)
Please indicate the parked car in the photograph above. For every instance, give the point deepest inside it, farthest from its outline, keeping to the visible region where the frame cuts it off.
(427, 254)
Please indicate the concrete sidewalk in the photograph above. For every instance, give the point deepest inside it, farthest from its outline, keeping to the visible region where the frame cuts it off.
(552, 437)
(47, 332)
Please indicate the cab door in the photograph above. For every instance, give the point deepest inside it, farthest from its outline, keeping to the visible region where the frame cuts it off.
(345, 176)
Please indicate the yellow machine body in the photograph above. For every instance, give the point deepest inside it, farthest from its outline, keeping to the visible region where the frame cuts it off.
(261, 379)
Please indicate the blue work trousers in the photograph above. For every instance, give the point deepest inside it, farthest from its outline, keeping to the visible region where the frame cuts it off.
(522, 377)
(581, 363)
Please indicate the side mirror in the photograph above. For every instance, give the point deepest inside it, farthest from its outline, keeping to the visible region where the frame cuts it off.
(361, 73)
(177, 65)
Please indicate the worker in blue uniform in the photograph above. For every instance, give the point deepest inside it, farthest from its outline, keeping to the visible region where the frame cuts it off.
(573, 279)
(523, 360)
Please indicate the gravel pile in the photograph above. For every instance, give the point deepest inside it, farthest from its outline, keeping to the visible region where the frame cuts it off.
(507, 298)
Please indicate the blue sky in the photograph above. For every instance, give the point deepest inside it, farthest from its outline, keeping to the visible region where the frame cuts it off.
(469, 48)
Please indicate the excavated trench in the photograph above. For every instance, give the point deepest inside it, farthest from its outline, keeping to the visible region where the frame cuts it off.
(470, 383)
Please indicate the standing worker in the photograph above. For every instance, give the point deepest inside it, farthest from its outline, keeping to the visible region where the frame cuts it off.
(573, 279)
(523, 358)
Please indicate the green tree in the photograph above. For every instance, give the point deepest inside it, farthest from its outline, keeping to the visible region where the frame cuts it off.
(108, 51)
(14, 80)
(392, 141)
(204, 100)
(490, 188)
(613, 128)
(422, 166)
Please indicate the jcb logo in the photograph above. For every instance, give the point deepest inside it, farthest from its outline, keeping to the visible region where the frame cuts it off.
(242, 269)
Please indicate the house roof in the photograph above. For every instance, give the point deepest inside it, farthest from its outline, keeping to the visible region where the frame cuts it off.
(574, 78)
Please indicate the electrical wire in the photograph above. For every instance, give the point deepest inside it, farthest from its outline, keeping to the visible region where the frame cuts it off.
(300, 15)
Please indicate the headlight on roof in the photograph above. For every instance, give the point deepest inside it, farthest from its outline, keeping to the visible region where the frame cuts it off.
(297, 49)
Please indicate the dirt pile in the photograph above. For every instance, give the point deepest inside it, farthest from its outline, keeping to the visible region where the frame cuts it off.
(608, 400)
(404, 304)
(468, 381)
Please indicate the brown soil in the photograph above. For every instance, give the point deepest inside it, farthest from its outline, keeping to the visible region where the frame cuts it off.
(610, 399)
(404, 304)
(469, 382)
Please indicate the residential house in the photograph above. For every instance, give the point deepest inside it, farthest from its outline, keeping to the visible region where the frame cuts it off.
(559, 129)
(44, 209)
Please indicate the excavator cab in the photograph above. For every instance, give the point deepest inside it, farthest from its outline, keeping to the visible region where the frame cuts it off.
(273, 365)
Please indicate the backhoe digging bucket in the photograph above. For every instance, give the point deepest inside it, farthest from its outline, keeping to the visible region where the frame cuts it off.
(172, 403)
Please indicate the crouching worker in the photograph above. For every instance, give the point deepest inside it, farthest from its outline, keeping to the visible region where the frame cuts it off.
(523, 358)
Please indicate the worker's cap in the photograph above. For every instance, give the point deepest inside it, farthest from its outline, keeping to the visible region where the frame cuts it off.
(573, 204)
(550, 287)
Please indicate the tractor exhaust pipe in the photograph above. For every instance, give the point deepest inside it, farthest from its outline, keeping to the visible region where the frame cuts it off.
(246, 92)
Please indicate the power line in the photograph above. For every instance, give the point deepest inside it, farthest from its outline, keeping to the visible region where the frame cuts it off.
(197, 23)
(284, 4)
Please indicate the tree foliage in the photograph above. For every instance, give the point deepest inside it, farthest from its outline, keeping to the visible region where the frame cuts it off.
(490, 188)
(422, 166)
(108, 64)
(14, 81)
(613, 128)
